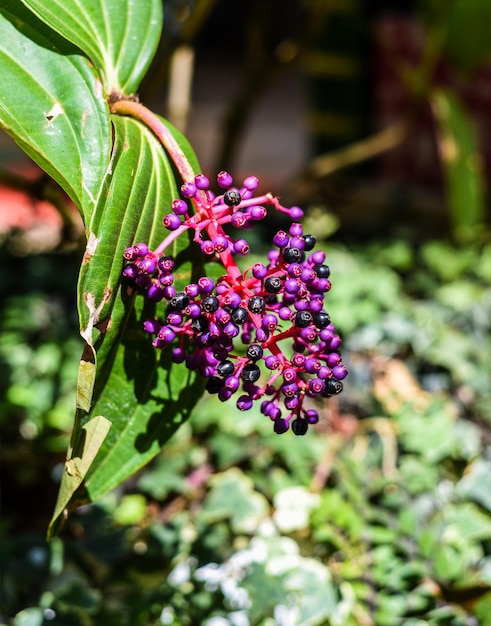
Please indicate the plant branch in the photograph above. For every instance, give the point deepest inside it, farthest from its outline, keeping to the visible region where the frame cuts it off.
(163, 134)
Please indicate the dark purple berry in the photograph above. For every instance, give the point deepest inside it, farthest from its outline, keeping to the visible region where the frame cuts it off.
(322, 271)
(244, 403)
(250, 373)
(333, 386)
(240, 315)
(210, 304)
(179, 301)
(309, 242)
(200, 324)
(225, 368)
(281, 426)
(166, 264)
(254, 352)
(302, 319)
(232, 197)
(293, 255)
(321, 319)
(273, 284)
(300, 426)
(256, 304)
(214, 384)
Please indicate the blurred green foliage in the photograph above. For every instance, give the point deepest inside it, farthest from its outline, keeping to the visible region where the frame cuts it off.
(380, 515)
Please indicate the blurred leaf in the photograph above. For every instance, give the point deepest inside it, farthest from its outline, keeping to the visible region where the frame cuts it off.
(119, 36)
(467, 40)
(131, 509)
(475, 483)
(462, 164)
(232, 497)
(52, 105)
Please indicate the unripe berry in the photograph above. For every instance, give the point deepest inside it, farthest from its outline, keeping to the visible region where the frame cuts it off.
(201, 181)
(179, 207)
(251, 183)
(224, 179)
(188, 190)
(244, 403)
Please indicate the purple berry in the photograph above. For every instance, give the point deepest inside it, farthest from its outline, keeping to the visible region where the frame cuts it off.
(224, 180)
(272, 362)
(281, 239)
(179, 207)
(207, 247)
(241, 247)
(251, 183)
(205, 285)
(281, 426)
(339, 372)
(201, 181)
(188, 190)
(171, 221)
(244, 403)
(259, 271)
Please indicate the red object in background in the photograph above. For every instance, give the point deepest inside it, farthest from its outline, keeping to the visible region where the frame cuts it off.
(398, 42)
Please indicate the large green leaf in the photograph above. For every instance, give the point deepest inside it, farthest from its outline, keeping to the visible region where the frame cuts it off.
(52, 104)
(122, 378)
(119, 36)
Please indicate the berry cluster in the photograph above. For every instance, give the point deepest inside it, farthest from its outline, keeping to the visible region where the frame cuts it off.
(276, 309)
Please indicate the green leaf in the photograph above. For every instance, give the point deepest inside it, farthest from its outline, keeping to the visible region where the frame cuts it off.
(119, 36)
(140, 390)
(52, 104)
(462, 164)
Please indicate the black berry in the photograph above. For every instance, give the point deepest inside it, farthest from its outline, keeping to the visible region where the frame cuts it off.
(179, 301)
(293, 255)
(310, 242)
(210, 304)
(214, 384)
(322, 271)
(225, 368)
(254, 352)
(273, 284)
(232, 197)
(333, 386)
(256, 304)
(250, 373)
(321, 319)
(200, 324)
(240, 315)
(303, 319)
(300, 426)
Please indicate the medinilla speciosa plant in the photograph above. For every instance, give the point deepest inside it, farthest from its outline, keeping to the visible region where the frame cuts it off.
(168, 304)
